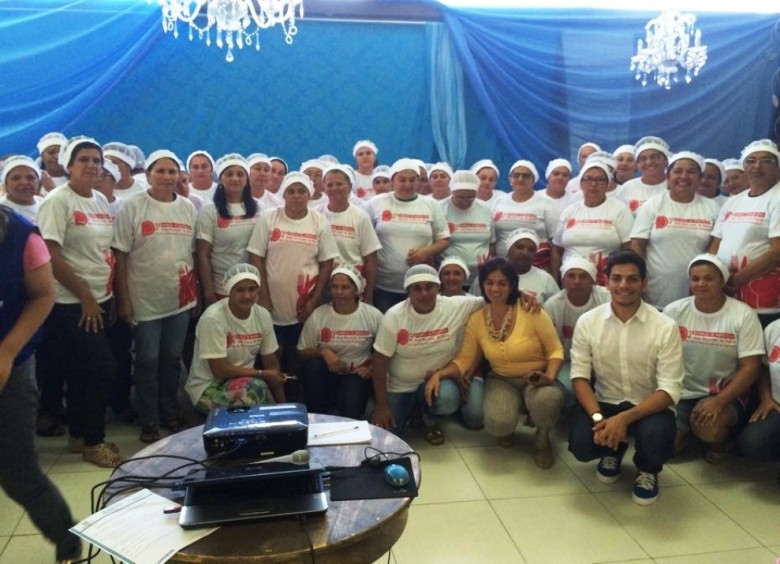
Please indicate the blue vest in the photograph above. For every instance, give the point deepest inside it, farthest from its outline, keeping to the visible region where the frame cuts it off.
(13, 295)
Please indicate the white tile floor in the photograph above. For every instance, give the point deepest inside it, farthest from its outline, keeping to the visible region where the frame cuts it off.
(480, 503)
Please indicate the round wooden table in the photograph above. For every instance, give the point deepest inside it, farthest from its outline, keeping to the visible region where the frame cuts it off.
(357, 531)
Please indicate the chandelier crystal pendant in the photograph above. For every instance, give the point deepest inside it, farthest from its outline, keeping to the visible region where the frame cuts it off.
(673, 45)
(237, 22)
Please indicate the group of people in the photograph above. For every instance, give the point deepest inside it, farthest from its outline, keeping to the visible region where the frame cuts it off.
(648, 304)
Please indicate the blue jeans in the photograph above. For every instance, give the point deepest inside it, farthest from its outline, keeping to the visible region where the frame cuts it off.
(761, 440)
(472, 411)
(653, 437)
(401, 404)
(158, 346)
(384, 300)
(328, 392)
(20, 475)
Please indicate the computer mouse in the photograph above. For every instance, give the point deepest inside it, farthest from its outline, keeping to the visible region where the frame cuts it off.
(396, 475)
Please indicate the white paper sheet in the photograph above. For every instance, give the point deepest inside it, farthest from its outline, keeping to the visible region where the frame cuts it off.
(136, 530)
(339, 433)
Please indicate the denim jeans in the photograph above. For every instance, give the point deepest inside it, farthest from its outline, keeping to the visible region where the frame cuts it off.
(384, 300)
(446, 403)
(120, 337)
(20, 475)
(85, 361)
(329, 392)
(653, 437)
(158, 346)
(761, 440)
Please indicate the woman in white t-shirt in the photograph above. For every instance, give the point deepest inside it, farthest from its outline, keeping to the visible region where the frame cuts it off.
(157, 289)
(22, 180)
(259, 176)
(488, 174)
(722, 349)
(439, 178)
(593, 227)
(76, 224)
(279, 170)
(672, 228)
(335, 349)
(453, 274)
(293, 248)
(652, 158)
(224, 226)
(230, 336)
(525, 208)
(364, 153)
(558, 174)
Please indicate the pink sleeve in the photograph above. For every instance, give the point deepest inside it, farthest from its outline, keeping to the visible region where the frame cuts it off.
(35, 253)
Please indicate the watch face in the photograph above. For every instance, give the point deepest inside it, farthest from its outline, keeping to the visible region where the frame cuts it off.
(596, 417)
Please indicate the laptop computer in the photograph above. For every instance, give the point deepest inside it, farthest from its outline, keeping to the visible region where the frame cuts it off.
(235, 494)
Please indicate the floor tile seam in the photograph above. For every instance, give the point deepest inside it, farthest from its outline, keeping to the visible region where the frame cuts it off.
(508, 534)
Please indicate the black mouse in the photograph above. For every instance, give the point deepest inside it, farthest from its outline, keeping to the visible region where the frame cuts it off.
(396, 475)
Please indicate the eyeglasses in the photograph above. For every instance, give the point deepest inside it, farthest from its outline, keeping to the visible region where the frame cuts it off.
(763, 161)
(594, 181)
(521, 175)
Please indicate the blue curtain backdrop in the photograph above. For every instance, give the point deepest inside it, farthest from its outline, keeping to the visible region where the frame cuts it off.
(501, 85)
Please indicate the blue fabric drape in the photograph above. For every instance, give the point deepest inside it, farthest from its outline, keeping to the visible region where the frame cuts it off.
(548, 80)
(448, 113)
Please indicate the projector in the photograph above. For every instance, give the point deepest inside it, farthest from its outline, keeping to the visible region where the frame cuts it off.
(256, 430)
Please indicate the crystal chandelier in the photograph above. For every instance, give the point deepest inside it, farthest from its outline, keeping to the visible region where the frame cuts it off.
(237, 22)
(673, 45)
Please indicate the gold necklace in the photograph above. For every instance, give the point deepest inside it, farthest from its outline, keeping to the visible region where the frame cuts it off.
(500, 333)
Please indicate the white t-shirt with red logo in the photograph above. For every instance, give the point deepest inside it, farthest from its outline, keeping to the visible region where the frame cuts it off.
(539, 284)
(471, 233)
(418, 342)
(293, 250)
(228, 238)
(772, 336)
(713, 343)
(560, 204)
(220, 334)
(593, 233)
(159, 239)
(269, 200)
(402, 225)
(350, 336)
(634, 193)
(675, 233)
(29, 212)
(537, 214)
(354, 235)
(364, 186)
(565, 314)
(744, 226)
(84, 229)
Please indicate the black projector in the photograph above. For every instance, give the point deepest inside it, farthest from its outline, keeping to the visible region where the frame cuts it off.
(257, 430)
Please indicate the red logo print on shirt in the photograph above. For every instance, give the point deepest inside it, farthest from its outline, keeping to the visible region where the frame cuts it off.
(568, 331)
(147, 228)
(451, 227)
(498, 215)
(222, 223)
(634, 205)
(571, 223)
(188, 290)
(276, 234)
(326, 335)
(774, 354)
(231, 340)
(403, 337)
(683, 333)
(661, 221)
(361, 192)
(387, 215)
(80, 218)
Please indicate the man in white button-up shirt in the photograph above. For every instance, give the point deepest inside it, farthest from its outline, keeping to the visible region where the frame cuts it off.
(626, 372)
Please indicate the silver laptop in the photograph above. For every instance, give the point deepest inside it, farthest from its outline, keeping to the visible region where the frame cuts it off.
(249, 492)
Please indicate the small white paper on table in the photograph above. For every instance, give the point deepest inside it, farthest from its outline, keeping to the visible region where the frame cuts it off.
(339, 433)
(136, 530)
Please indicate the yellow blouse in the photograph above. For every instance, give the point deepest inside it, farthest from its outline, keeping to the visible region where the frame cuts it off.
(531, 344)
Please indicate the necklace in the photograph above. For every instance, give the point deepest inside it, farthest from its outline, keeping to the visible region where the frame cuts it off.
(501, 333)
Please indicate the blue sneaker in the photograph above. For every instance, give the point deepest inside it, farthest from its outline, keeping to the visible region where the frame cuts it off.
(646, 488)
(608, 469)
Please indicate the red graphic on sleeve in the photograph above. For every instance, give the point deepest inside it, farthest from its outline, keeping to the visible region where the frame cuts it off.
(683, 333)
(230, 340)
(403, 337)
(571, 223)
(222, 223)
(326, 335)
(80, 218)
(774, 354)
(451, 227)
(188, 291)
(147, 228)
(661, 221)
(387, 215)
(361, 192)
(634, 205)
(568, 331)
(276, 234)
(108, 256)
(498, 215)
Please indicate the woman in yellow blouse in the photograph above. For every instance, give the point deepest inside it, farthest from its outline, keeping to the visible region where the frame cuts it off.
(524, 354)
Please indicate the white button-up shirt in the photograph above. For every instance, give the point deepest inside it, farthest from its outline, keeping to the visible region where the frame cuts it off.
(630, 360)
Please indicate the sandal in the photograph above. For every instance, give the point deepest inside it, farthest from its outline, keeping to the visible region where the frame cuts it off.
(716, 453)
(149, 434)
(434, 435)
(174, 425)
(102, 455)
(76, 445)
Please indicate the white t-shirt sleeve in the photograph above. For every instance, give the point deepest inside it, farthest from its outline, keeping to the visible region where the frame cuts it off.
(645, 217)
(211, 337)
(258, 241)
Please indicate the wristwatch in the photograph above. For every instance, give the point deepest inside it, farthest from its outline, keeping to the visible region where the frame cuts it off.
(597, 417)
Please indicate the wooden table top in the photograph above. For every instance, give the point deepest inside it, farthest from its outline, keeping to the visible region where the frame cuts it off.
(349, 531)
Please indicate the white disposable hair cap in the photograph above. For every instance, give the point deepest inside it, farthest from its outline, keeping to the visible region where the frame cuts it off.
(66, 150)
(140, 158)
(203, 152)
(155, 156)
(720, 167)
(624, 149)
(732, 164)
(484, 163)
(690, 155)
(328, 159)
(353, 274)
(296, 177)
(603, 157)
(52, 139)
(405, 164)
(231, 159)
(113, 170)
(380, 173)
(527, 164)
(120, 151)
(312, 163)
(586, 145)
(18, 160)
(421, 273)
(651, 142)
(442, 167)
(457, 262)
(521, 233)
(344, 169)
(556, 163)
(760, 146)
(595, 164)
(464, 180)
(255, 158)
(364, 143)
(239, 272)
(714, 261)
(580, 263)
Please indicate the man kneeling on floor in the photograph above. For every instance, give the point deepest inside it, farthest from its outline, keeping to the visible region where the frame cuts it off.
(626, 372)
